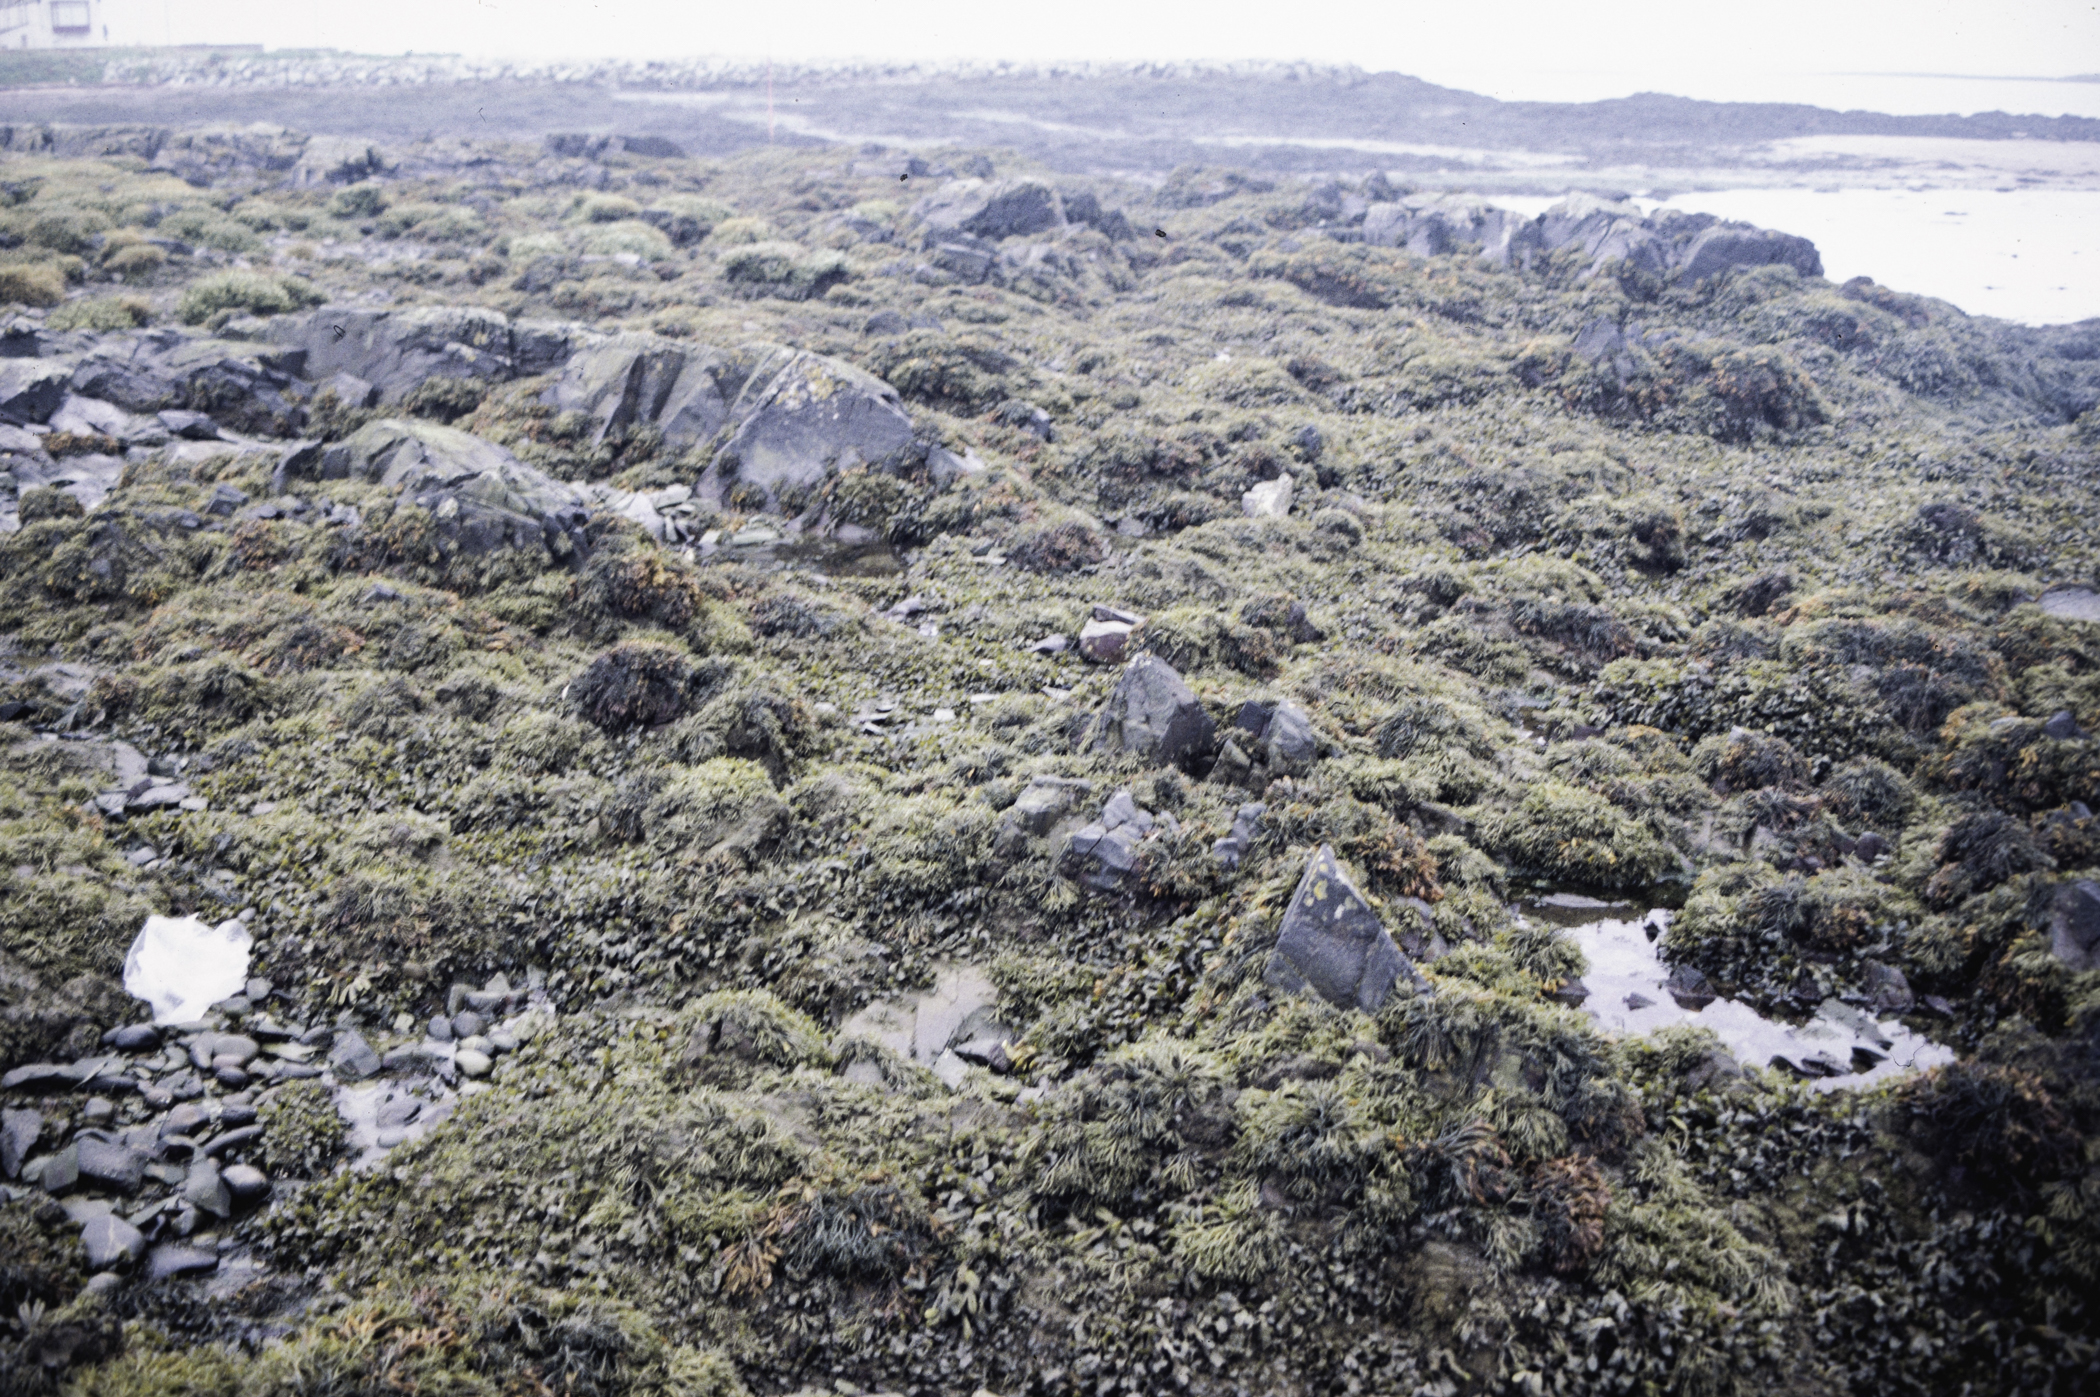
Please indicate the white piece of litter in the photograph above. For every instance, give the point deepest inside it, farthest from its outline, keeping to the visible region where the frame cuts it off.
(182, 967)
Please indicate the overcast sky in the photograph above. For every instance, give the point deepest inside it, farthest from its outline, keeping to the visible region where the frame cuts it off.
(1518, 48)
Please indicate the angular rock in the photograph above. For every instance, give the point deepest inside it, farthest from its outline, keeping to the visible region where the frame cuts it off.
(1287, 742)
(2074, 925)
(204, 1189)
(1246, 823)
(31, 389)
(1690, 988)
(1333, 942)
(111, 1241)
(55, 1173)
(1047, 800)
(352, 1057)
(1269, 500)
(1099, 859)
(1105, 642)
(1122, 812)
(801, 417)
(18, 1133)
(2063, 726)
(395, 351)
(1233, 767)
(989, 209)
(1154, 715)
(482, 497)
(629, 381)
(1569, 992)
(1888, 989)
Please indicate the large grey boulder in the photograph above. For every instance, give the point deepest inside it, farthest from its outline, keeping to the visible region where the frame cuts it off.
(2074, 925)
(1432, 225)
(483, 497)
(236, 384)
(110, 1163)
(31, 389)
(989, 209)
(630, 381)
(1727, 246)
(801, 421)
(395, 351)
(1153, 714)
(1333, 942)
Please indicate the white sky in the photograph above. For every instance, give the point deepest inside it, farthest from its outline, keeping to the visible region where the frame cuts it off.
(1548, 49)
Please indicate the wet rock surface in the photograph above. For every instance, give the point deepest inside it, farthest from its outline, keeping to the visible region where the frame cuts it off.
(1333, 942)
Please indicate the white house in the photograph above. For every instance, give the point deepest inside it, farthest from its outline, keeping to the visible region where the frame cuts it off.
(63, 24)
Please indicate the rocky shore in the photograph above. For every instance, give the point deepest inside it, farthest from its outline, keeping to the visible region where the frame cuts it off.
(631, 773)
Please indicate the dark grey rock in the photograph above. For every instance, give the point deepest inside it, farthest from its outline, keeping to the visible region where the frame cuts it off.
(2074, 924)
(352, 1057)
(136, 1038)
(1639, 1001)
(989, 209)
(1154, 715)
(18, 1132)
(1333, 942)
(1690, 988)
(1888, 989)
(30, 389)
(395, 351)
(1122, 812)
(109, 1163)
(111, 1241)
(170, 1260)
(629, 381)
(468, 1022)
(1870, 847)
(482, 497)
(440, 1028)
(1246, 824)
(57, 1172)
(39, 1076)
(1569, 992)
(204, 1189)
(886, 322)
(197, 426)
(2063, 726)
(248, 1184)
(1099, 859)
(226, 1143)
(1728, 246)
(800, 417)
(1233, 767)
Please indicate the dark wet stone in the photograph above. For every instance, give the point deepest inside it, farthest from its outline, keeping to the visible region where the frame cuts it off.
(18, 1132)
(204, 1189)
(39, 1076)
(352, 1057)
(1154, 715)
(1869, 848)
(2063, 726)
(1639, 1001)
(2074, 924)
(1100, 859)
(1888, 989)
(136, 1038)
(1287, 743)
(1690, 988)
(111, 1241)
(1569, 992)
(1333, 942)
(233, 1140)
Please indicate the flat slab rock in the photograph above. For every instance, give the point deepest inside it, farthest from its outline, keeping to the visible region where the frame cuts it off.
(1334, 943)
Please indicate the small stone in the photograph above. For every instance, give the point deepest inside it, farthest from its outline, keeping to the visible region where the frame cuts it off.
(1122, 812)
(1269, 500)
(472, 1062)
(230, 1077)
(169, 1260)
(111, 1241)
(1689, 988)
(2074, 925)
(502, 1042)
(110, 1163)
(18, 1132)
(136, 1038)
(248, 1184)
(1569, 992)
(1287, 742)
(1154, 715)
(1639, 1001)
(440, 1029)
(1046, 801)
(1051, 645)
(468, 1024)
(1099, 859)
(1245, 823)
(2063, 726)
(204, 1190)
(1105, 642)
(99, 1110)
(951, 1070)
(352, 1057)
(55, 1173)
(1888, 989)
(1870, 847)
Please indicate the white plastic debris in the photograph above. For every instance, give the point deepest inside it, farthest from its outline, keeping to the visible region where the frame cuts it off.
(1625, 969)
(182, 967)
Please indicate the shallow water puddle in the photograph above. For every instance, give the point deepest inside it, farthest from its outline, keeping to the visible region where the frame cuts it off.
(1627, 996)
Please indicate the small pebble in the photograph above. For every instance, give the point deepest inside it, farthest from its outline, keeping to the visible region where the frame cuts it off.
(473, 1062)
(467, 1023)
(441, 1028)
(476, 1044)
(99, 1110)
